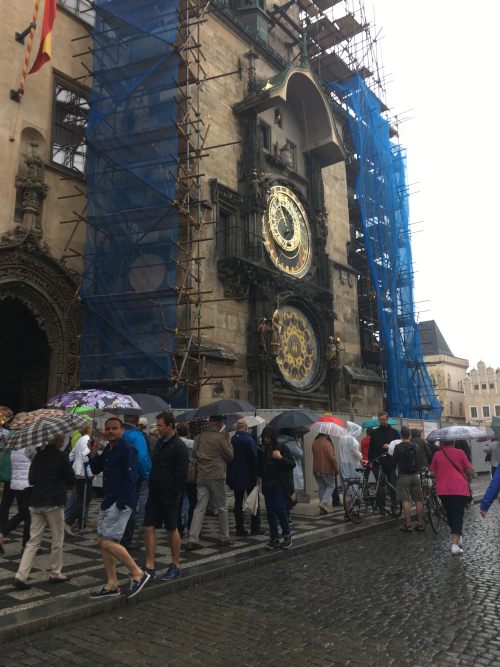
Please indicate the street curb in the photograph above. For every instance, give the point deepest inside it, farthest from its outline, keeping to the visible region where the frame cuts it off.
(62, 612)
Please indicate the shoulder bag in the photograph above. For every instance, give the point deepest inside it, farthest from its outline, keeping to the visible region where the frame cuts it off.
(469, 502)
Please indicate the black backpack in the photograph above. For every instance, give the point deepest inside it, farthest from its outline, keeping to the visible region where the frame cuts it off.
(410, 459)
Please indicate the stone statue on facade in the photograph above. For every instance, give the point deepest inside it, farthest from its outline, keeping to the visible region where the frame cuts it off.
(333, 352)
(275, 334)
(263, 331)
(286, 155)
(32, 186)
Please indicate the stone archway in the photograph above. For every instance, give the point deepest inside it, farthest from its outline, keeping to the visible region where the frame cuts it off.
(31, 278)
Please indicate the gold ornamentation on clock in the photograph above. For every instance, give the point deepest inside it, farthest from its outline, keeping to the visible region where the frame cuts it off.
(286, 232)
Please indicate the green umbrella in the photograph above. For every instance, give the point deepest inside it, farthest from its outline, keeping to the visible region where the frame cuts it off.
(495, 426)
(371, 423)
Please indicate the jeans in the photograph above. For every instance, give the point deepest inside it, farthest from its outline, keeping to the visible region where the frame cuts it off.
(206, 488)
(143, 496)
(77, 510)
(392, 478)
(326, 486)
(8, 497)
(70, 505)
(455, 508)
(23, 514)
(239, 516)
(335, 494)
(276, 508)
(128, 535)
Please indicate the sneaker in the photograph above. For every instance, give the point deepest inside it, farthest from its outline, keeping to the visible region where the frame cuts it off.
(287, 542)
(273, 544)
(137, 586)
(172, 573)
(323, 508)
(455, 549)
(152, 573)
(104, 593)
(68, 530)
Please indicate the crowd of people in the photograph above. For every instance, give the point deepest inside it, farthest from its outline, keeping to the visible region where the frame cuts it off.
(166, 479)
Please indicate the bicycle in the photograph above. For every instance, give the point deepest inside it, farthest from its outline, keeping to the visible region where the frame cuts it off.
(434, 512)
(357, 496)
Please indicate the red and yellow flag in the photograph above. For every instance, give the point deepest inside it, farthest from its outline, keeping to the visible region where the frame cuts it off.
(44, 52)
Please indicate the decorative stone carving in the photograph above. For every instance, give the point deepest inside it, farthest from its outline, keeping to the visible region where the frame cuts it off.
(28, 273)
(32, 186)
(252, 87)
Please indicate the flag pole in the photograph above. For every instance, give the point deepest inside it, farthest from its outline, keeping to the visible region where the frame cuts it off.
(17, 95)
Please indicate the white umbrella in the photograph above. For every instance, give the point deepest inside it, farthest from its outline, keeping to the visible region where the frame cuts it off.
(455, 433)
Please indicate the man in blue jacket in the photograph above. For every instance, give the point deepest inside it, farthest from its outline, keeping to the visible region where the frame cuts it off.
(118, 463)
(134, 435)
(242, 476)
(491, 493)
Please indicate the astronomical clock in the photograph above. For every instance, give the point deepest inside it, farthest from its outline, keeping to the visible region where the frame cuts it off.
(286, 232)
(275, 244)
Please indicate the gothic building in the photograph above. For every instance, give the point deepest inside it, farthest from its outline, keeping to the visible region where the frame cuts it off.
(280, 323)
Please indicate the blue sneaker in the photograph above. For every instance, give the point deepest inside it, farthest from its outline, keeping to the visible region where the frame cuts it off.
(137, 586)
(104, 593)
(173, 572)
(152, 573)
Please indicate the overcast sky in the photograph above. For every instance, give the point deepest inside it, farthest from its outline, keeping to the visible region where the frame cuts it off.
(441, 56)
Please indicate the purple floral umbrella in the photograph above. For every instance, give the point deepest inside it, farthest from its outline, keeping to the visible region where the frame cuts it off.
(96, 399)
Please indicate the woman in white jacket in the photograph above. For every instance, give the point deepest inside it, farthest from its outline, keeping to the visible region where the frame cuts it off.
(80, 457)
(20, 461)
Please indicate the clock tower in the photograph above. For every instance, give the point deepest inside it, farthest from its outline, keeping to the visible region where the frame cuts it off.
(277, 254)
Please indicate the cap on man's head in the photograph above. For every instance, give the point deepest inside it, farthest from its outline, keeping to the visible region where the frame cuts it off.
(143, 421)
(241, 423)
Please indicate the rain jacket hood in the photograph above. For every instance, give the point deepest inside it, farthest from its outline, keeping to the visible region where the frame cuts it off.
(269, 430)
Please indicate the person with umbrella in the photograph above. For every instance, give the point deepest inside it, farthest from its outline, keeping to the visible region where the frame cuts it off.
(275, 465)
(450, 468)
(50, 475)
(118, 462)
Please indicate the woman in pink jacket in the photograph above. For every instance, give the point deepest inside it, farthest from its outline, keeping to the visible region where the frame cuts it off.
(450, 468)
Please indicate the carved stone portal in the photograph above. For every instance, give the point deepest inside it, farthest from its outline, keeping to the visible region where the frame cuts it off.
(30, 274)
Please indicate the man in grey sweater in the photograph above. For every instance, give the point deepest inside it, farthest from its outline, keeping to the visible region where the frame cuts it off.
(211, 451)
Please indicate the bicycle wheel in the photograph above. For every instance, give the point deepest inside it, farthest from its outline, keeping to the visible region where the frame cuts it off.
(354, 501)
(396, 507)
(433, 513)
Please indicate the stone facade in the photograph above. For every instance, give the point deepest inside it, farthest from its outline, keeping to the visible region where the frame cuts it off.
(39, 282)
(302, 150)
(482, 394)
(447, 374)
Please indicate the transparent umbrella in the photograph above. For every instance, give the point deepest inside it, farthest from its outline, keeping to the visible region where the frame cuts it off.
(455, 433)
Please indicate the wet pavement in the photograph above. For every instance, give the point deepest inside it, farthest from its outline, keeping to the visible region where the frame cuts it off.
(386, 598)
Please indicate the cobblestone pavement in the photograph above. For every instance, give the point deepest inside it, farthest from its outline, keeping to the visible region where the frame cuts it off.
(384, 599)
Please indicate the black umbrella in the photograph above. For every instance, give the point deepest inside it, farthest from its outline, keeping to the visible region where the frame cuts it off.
(150, 403)
(293, 419)
(226, 406)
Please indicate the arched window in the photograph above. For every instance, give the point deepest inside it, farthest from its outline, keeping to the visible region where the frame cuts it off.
(449, 381)
(433, 380)
(460, 409)
(451, 408)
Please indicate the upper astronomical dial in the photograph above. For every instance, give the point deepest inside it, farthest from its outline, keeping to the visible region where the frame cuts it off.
(286, 232)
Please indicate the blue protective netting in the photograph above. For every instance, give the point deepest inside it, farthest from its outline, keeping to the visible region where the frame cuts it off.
(131, 224)
(382, 194)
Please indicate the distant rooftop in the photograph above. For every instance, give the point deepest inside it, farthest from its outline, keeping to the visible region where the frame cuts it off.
(432, 340)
